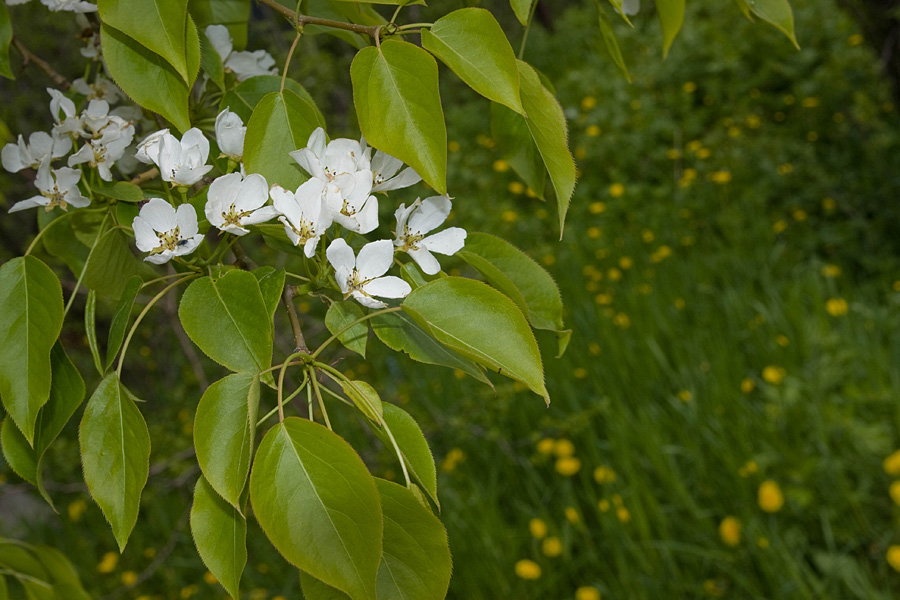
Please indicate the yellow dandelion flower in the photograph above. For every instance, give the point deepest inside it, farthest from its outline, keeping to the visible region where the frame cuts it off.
(593, 131)
(689, 87)
(896, 285)
(563, 448)
(597, 207)
(648, 236)
(774, 375)
(770, 498)
(789, 100)
(673, 154)
(209, 578)
(753, 122)
(734, 131)
(626, 262)
(188, 591)
(799, 214)
(540, 213)
(129, 578)
(516, 187)
(108, 563)
(685, 396)
(614, 274)
(453, 146)
(661, 253)
(892, 464)
(714, 588)
(483, 140)
(538, 528)
(894, 491)
(763, 542)
(812, 136)
(568, 466)
(703, 153)
(548, 259)
(603, 505)
(587, 593)
(622, 320)
(546, 446)
(616, 190)
(893, 557)
(785, 168)
(528, 569)
(149, 552)
(604, 474)
(782, 340)
(623, 514)
(836, 307)
(594, 232)
(679, 303)
(580, 373)
(748, 468)
(459, 373)
(730, 531)
(580, 152)
(855, 39)
(588, 102)
(76, 509)
(694, 145)
(501, 166)
(572, 515)
(617, 499)
(779, 226)
(831, 271)
(720, 177)
(689, 173)
(510, 216)
(452, 460)
(594, 348)
(530, 193)
(552, 547)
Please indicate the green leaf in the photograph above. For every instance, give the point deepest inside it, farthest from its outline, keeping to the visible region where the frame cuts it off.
(522, 8)
(612, 43)
(395, 90)
(365, 398)
(121, 319)
(225, 431)
(90, 328)
(112, 264)
(547, 125)
(31, 315)
(412, 274)
(233, 14)
(19, 454)
(243, 98)
(6, 35)
(271, 285)
(62, 244)
(471, 42)
(115, 455)
(281, 123)
(671, 17)
(617, 4)
(777, 13)
(157, 25)
(514, 140)
(146, 77)
(416, 563)
(119, 190)
(518, 276)
(220, 534)
(340, 315)
(414, 448)
(211, 63)
(315, 500)
(228, 320)
(481, 324)
(392, 2)
(401, 334)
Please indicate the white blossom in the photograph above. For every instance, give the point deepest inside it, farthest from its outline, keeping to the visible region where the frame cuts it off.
(243, 64)
(220, 39)
(104, 150)
(413, 225)
(362, 276)
(180, 162)
(76, 6)
(101, 89)
(230, 132)
(234, 202)
(385, 176)
(352, 206)
(164, 232)
(305, 213)
(41, 147)
(64, 115)
(148, 149)
(58, 187)
(631, 7)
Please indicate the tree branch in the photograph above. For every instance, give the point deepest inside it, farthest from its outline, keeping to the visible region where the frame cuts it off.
(288, 299)
(145, 176)
(301, 20)
(29, 57)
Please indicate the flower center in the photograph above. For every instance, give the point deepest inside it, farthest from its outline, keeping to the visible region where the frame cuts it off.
(411, 240)
(234, 216)
(168, 240)
(306, 232)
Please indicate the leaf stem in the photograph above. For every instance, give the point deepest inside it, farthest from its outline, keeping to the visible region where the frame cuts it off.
(281, 373)
(286, 400)
(87, 261)
(315, 387)
(399, 454)
(356, 322)
(534, 4)
(287, 62)
(300, 20)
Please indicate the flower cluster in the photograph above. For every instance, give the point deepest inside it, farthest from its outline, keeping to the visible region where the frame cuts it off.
(76, 6)
(243, 64)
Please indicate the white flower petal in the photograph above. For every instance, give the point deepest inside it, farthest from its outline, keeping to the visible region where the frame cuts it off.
(194, 138)
(186, 216)
(309, 248)
(266, 213)
(375, 259)
(406, 178)
(341, 256)
(433, 212)
(449, 241)
(159, 214)
(254, 192)
(387, 287)
(161, 258)
(426, 260)
(32, 202)
(308, 161)
(66, 178)
(12, 159)
(220, 39)
(316, 142)
(367, 301)
(367, 217)
(145, 237)
(85, 154)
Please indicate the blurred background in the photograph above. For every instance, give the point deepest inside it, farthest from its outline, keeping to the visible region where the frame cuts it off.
(724, 421)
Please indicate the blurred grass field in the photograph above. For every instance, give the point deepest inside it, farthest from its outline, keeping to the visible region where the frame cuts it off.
(724, 419)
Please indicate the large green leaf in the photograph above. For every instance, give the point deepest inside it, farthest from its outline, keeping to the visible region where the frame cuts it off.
(121, 319)
(271, 285)
(471, 42)
(611, 42)
(42, 571)
(115, 454)
(341, 315)
(220, 534)
(244, 97)
(522, 8)
(315, 500)
(6, 35)
(224, 433)
(547, 124)
(146, 77)
(671, 16)
(777, 13)
(233, 14)
(280, 124)
(481, 324)
(521, 278)
(413, 446)
(514, 140)
(395, 90)
(416, 563)
(401, 334)
(228, 320)
(112, 264)
(31, 314)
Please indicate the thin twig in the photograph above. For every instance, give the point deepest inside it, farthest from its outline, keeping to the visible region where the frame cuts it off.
(29, 57)
(288, 299)
(300, 20)
(145, 176)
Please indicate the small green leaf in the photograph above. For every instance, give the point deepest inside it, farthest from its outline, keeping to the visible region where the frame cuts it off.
(777, 13)
(121, 319)
(220, 534)
(119, 190)
(228, 320)
(19, 454)
(398, 104)
(211, 63)
(547, 124)
(612, 43)
(271, 285)
(412, 274)
(31, 314)
(671, 16)
(6, 35)
(115, 455)
(146, 77)
(401, 334)
(471, 42)
(281, 123)
(225, 431)
(413, 447)
(90, 328)
(518, 276)
(339, 316)
(522, 8)
(481, 324)
(514, 140)
(317, 503)
(243, 98)
(365, 398)
(112, 264)
(157, 25)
